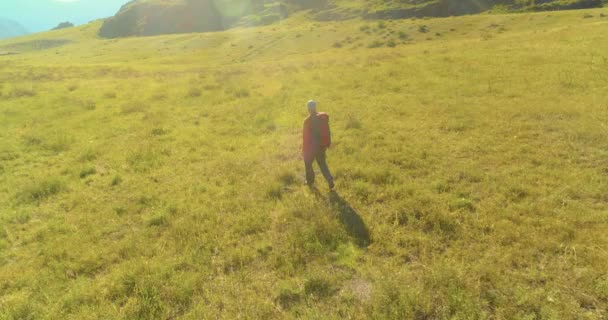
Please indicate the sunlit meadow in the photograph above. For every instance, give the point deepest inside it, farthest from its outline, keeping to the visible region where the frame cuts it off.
(160, 177)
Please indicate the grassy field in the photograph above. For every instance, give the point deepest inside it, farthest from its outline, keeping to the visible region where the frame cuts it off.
(160, 178)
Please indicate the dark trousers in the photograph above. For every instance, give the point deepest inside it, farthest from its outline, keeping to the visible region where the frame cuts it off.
(310, 173)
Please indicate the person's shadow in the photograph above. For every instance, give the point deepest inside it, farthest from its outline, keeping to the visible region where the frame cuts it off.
(349, 217)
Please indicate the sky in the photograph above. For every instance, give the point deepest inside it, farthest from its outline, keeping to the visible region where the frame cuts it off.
(42, 15)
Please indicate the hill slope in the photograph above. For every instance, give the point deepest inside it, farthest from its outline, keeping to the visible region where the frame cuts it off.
(10, 28)
(152, 17)
(144, 18)
(159, 177)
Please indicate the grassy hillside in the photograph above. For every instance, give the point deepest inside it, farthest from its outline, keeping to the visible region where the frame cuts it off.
(159, 177)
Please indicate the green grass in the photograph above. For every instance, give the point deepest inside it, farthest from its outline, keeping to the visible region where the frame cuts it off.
(155, 178)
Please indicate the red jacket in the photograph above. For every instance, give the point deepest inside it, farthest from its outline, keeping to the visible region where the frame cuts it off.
(315, 135)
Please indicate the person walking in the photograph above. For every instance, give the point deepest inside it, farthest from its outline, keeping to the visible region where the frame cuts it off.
(316, 141)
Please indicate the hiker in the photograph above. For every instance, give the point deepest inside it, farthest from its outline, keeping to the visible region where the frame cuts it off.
(317, 138)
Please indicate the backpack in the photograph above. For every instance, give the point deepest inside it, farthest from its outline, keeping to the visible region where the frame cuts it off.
(323, 127)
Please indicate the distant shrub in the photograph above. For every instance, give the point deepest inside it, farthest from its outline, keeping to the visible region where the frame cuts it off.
(423, 29)
(463, 204)
(287, 178)
(40, 190)
(194, 92)
(440, 223)
(587, 16)
(159, 96)
(403, 35)
(58, 142)
(144, 160)
(364, 28)
(22, 93)
(6, 155)
(30, 140)
(88, 155)
(601, 287)
(376, 44)
(159, 132)
(380, 176)
(116, 180)
(362, 190)
(337, 45)
(89, 105)
(85, 172)
(120, 211)
(603, 15)
(110, 95)
(241, 93)
(146, 201)
(172, 209)
(402, 217)
(441, 186)
(265, 121)
(318, 287)
(148, 305)
(288, 297)
(133, 107)
(391, 44)
(72, 87)
(274, 191)
(55, 141)
(381, 25)
(158, 220)
(353, 123)
(21, 217)
(517, 193)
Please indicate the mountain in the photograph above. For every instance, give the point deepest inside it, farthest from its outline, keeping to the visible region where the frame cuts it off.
(145, 18)
(154, 17)
(10, 28)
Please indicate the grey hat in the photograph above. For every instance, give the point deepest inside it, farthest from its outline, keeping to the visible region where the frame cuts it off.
(312, 105)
